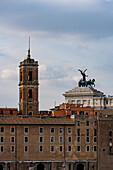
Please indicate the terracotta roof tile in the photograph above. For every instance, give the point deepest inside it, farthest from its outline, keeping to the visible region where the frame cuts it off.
(106, 111)
(35, 120)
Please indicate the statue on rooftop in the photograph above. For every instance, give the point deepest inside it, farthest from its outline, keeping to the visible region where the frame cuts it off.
(83, 82)
(83, 74)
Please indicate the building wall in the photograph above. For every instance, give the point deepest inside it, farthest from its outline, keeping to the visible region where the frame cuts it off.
(55, 159)
(8, 111)
(88, 96)
(95, 102)
(72, 109)
(105, 141)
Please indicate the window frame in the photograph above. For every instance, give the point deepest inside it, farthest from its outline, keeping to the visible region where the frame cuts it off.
(52, 137)
(78, 139)
(12, 137)
(40, 130)
(60, 137)
(95, 141)
(94, 148)
(61, 147)
(41, 139)
(78, 132)
(2, 129)
(69, 139)
(69, 148)
(87, 137)
(110, 133)
(25, 130)
(26, 137)
(60, 131)
(2, 137)
(12, 146)
(69, 130)
(25, 146)
(12, 130)
(52, 130)
(87, 146)
(78, 146)
(40, 148)
(87, 122)
(1, 146)
(52, 146)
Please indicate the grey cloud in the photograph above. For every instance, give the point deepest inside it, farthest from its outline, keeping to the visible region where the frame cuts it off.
(55, 73)
(44, 17)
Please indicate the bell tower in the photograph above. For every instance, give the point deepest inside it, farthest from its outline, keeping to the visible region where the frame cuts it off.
(28, 86)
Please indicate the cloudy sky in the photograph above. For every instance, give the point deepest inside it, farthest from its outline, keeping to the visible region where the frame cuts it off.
(66, 35)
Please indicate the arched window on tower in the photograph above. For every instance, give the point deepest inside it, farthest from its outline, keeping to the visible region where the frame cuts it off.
(20, 76)
(30, 76)
(30, 94)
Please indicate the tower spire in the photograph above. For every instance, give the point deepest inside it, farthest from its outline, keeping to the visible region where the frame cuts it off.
(28, 56)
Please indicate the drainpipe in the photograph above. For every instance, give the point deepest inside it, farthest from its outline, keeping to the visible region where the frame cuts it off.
(64, 166)
(98, 153)
(15, 147)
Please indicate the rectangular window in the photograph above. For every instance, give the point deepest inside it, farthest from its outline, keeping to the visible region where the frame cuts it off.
(60, 139)
(88, 102)
(1, 148)
(87, 139)
(12, 148)
(87, 123)
(78, 132)
(26, 129)
(11, 112)
(69, 139)
(87, 148)
(26, 139)
(95, 148)
(12, 139)
(2, 139)
(41, 148)
(110, 149)
(52, 148)
(110, 133)
(69, 130)
(69, 148)
(61, 148)
(95, 123)
(41, 130)
(52, 130)
(87, 132)
(69, 166)
(110, 141)
(41, 139)
(78, 139)
(12, 129)
(52, 139)
(95, 132)
(78, 101)
(78, 123)
(81, 113)
(95, 139)
(74, 113)
(1, 112)
(2, 129)
(25, 148)
(78, 148)
(106, 101)
(61, 130)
